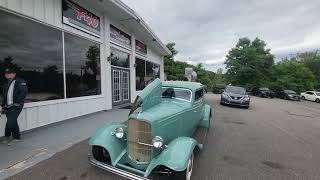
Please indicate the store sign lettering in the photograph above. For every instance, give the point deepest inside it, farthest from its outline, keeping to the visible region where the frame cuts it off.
(80, 18)
(119, 37)
(87, 17)
(141, 48)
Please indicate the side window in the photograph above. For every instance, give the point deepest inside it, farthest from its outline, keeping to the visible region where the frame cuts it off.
(198, 94)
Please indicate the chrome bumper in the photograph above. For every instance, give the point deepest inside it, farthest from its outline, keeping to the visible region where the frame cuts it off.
(115, 170)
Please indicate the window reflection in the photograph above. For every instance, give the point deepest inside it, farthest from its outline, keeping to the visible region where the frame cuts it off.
(140, 74)
(146, 72)
(82, 66)
(35, 51)
(120, 59)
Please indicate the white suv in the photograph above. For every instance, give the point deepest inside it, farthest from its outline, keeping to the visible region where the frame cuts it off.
(311, 96)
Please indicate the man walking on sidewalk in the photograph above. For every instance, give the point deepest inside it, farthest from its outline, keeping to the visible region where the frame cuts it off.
(14, 93)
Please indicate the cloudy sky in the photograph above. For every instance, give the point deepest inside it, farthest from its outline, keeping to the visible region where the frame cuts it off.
(205, 30)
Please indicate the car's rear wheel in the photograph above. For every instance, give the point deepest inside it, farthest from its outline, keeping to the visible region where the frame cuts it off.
(303, 98)
(100, 154)
(186, 174)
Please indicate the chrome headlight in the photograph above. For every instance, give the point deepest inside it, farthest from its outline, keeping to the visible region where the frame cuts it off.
(246, 99)
(225, 96)
(119, 132)
(157, 142)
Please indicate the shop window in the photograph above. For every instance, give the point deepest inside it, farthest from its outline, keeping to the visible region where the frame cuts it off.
(146, 72)
(82, 66)
(120, 59)
(140, 74)
(35, 51)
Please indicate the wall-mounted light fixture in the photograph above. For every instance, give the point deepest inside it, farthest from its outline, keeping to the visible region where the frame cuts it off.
(109, 59)
(135, 65)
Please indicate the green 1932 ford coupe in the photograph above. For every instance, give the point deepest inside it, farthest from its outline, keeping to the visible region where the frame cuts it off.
(167, 122)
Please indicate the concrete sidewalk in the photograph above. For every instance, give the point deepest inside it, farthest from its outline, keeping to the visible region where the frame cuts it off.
(42, 143)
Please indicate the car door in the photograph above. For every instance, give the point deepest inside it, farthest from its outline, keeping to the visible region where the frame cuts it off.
(198, 106)
(313, 96)
(310, 96)
(307, 95)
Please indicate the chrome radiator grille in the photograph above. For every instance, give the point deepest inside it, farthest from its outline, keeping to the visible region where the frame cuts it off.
(139, 139)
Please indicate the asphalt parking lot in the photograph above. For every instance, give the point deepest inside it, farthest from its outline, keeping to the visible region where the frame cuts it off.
(273, 139)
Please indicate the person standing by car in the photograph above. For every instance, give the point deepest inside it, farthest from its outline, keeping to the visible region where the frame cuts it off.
(14, 93)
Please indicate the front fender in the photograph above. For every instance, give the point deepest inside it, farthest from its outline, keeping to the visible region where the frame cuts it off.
(175, 156)
(205, 121)
(102, 137)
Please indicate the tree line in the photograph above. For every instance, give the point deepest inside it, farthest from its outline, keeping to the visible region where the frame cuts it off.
(250, 64)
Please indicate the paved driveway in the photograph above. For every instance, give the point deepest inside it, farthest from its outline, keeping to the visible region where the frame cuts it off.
(273, 139)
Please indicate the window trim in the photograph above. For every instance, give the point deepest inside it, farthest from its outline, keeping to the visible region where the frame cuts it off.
(61, 101)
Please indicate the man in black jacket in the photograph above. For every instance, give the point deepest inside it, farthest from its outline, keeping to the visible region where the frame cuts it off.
(14, 93)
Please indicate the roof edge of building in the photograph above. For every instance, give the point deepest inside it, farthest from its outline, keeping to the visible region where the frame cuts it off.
(133, 14)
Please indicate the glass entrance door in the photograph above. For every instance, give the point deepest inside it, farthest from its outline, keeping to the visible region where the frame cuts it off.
(120, 86)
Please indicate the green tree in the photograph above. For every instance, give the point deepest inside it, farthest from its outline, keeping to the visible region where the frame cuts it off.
(249, 63)
(312, 61)
(290, 74)
(169, 62)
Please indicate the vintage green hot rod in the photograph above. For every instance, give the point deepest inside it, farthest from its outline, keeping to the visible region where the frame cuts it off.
(167, 122)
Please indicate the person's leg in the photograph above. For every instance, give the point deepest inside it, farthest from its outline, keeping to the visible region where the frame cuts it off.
(9, 127)
(15, 126)
(6, 134)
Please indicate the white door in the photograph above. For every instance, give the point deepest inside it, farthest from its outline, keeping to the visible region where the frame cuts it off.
(116, 90)
(120, 86)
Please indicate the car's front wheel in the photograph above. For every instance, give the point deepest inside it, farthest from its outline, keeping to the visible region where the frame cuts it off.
(303, 98)
(317, 101)
(186, 174)
(100, 154)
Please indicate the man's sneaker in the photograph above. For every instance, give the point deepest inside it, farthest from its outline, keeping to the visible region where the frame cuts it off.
(13, 141)
(5, 141)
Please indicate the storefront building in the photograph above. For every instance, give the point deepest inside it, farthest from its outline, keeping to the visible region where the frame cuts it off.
(78, 57)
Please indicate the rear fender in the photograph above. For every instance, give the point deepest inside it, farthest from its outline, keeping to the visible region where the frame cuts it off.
(208, 113)
(175, 156)
(103, 137)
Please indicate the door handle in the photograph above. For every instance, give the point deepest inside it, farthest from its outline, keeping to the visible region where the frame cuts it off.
(195, 111)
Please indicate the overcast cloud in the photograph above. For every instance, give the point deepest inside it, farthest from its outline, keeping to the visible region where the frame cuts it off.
(205, 30)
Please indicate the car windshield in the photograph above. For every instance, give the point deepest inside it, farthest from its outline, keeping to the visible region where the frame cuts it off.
(264, 89)
(235, 90)
(289, 92)
(221, 86)
(176, 93)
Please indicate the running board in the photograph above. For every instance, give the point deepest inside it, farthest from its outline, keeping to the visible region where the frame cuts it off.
(115, 170)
